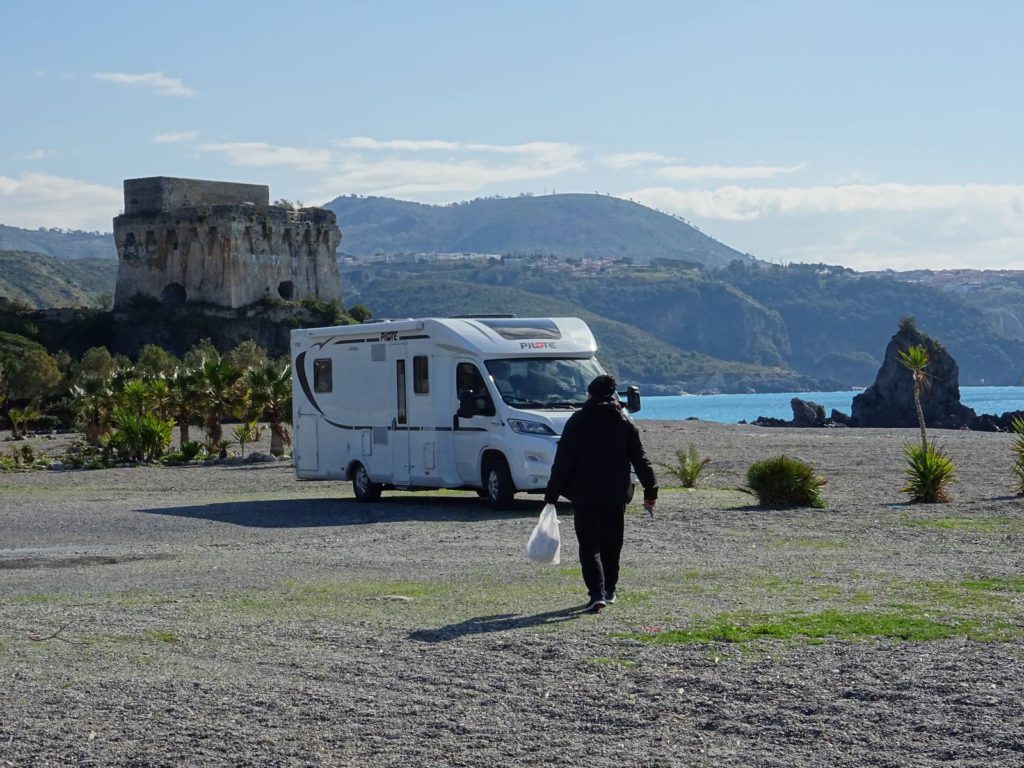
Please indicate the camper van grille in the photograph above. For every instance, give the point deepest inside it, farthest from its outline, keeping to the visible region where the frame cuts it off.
(377, 353)
(380, 435)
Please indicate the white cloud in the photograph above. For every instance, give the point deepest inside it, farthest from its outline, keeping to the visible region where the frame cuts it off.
(39, 154)
(172, 137)
(737, 203)
(464, 167)
(538, 149)
(39, 73)
(624, 160)
(40, 200)
(156, 81)
(260, 154)
(703, 172)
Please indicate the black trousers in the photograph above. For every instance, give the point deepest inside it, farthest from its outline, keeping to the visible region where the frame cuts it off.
(599, 532)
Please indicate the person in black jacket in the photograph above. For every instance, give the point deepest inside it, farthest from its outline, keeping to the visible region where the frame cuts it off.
(591, 469)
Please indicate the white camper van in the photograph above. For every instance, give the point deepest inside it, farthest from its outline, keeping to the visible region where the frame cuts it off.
(472, 402)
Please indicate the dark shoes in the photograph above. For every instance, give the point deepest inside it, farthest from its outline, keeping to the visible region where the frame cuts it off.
(595, 605)
(609, 597)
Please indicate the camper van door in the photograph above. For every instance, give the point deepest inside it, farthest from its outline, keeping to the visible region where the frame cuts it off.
(400, 422)
(472, 432)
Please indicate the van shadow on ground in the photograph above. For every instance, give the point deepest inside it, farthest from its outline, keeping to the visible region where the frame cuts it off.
(313, 513)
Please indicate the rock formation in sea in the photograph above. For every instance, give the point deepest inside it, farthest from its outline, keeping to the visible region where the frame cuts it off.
(889, 402)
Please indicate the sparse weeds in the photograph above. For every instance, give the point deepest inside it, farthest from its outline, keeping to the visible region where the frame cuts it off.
(688, 466)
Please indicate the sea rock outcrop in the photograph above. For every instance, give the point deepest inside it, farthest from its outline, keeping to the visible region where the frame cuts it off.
(806, 413)
(221, 244)
(889, 402)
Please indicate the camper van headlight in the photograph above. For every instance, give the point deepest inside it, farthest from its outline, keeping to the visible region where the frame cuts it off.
(524, 427)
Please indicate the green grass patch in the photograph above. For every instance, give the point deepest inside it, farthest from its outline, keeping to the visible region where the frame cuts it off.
(972, 524)
(162, 636)
(606, 661)
(836, 625)
(995, 584)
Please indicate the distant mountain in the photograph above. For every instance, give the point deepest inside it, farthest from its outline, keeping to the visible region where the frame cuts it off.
(634, 355)
(566, 226)
(826, 323)
(44, 281)
(59, 243)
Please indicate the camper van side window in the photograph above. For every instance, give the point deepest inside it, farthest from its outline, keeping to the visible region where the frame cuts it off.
(420, 375)
(322, 378)
(402, 415)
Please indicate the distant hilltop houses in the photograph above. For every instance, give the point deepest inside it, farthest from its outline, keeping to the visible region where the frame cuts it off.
(542, 262)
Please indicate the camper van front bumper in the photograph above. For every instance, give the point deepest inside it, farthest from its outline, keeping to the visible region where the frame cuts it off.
(533, 468)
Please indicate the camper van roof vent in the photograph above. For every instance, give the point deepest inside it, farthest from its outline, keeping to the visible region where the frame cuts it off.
(525, 328)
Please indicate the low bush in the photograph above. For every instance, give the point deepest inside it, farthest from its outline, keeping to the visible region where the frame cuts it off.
(784, 482)
(1018, 453)
(929, 473)
(688, 466)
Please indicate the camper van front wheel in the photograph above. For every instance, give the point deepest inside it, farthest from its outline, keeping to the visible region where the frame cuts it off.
(500, 489)
(364, 488)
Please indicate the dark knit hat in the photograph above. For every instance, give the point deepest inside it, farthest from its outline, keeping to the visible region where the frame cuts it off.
(602, 388)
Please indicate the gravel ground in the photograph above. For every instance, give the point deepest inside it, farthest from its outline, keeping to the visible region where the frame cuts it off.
(231, 615)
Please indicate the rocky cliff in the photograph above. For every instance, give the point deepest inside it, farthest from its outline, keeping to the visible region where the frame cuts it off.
(889, 402)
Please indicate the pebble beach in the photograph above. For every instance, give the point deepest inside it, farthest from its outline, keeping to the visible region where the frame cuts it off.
(231, 615)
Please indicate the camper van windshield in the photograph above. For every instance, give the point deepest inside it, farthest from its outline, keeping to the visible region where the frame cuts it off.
(543, 382)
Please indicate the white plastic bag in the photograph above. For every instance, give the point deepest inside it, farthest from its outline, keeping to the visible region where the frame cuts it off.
(545, 544)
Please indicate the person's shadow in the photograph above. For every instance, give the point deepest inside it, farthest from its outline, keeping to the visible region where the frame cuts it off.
(499, 622)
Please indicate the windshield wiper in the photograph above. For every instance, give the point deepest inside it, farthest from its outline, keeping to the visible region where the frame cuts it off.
(522, 402)
(563, 404)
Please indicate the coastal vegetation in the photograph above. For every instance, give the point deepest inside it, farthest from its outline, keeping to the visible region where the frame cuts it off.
(929, 470)
(782, 481)
(688, 466)
(1018, 454)
(127, 410)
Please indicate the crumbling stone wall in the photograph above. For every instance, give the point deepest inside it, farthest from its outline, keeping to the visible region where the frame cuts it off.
(192, 241)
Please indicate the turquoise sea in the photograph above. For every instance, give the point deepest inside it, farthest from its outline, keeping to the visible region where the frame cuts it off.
(731, 409)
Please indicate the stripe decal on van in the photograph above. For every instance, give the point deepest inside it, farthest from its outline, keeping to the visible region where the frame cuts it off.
(300, 371)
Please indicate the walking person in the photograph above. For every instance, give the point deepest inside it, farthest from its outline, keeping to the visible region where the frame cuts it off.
(591, 469)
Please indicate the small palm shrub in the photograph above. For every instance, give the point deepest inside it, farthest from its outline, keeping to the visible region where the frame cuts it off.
(1018, 453)
(688, 466)
(929, 473)
(784, 482)
(247, 432)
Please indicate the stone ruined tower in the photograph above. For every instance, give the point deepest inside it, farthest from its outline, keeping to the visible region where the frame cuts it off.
(220, 243)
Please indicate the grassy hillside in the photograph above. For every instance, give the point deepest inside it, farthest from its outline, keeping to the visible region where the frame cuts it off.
(44, 281)
(62, 244)
(840, 321)
(567, 226)
(635, 356)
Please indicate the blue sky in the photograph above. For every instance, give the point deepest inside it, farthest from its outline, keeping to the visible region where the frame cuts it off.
(870, 134)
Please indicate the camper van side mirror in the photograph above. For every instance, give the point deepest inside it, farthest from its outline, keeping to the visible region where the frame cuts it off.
(632, 399)
(467, 405)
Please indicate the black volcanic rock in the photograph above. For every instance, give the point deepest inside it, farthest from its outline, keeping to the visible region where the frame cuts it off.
(889, 402)
(806, 413)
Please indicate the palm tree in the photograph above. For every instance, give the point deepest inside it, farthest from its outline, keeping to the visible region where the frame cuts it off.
(271, 394)
(929, 470)
(93, 400)
(915, 359)
(219, 395)
(184, 400)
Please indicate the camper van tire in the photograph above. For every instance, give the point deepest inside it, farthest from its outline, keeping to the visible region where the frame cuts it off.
(364, 488)
(498, 484)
